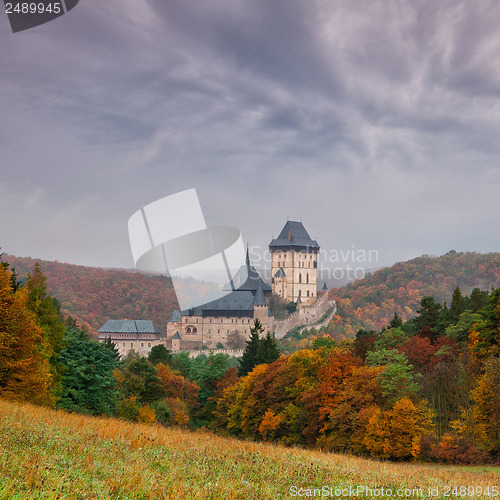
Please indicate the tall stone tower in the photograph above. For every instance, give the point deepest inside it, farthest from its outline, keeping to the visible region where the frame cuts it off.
(294, 264)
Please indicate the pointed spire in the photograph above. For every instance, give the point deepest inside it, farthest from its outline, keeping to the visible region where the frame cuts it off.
(325, 287)
(260, 299)
(248, 257)
(299, 300)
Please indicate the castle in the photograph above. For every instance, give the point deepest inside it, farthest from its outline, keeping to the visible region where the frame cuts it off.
(226, 321)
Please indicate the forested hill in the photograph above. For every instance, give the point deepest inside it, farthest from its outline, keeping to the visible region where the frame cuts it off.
(370, 303)
(93, 294)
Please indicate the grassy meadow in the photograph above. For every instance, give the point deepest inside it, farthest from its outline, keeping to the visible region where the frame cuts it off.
(52, 454)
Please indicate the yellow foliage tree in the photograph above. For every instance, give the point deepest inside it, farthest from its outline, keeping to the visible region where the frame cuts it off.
(25, 372)
(146, 415)
(269, 425)
(396, 433)
(486, 409)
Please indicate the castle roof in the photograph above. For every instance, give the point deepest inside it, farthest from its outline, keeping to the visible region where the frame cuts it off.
(247, 279)
(260, 300)
(294, 236)
(235, 303)
(299, 300)
(176, 336)
(128, 326)
(279, 273)
(324, 286)
(176, 316)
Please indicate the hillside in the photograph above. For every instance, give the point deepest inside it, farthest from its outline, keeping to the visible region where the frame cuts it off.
(93, 294)
(53, 454)
(370, 303)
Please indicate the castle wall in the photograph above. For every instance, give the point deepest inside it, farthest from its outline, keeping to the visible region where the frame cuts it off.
(304, 315)
(126, 342)
(212, 330)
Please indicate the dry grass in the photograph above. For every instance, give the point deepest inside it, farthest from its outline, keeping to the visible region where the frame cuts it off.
(52, 454)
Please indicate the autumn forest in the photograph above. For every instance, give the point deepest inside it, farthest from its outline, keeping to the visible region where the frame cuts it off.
(408, 369)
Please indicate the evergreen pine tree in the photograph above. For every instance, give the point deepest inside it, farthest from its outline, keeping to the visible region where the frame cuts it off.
(112, 347)
(396, 321)
(88, 384)
(250, 357)
(268, 351)
(457, 305)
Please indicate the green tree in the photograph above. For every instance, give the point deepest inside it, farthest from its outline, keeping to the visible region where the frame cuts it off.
(109, 344)
(428, 314)
(159, 354)
(397, 379)
(457, 305)
(478, 300)
(250, 357)
(48, 312)
(396, 321)
(390, 339)
(140, 379)
(268, 351)
(460, 330)
(88, 385)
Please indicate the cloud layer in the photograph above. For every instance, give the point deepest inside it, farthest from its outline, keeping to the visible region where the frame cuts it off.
(377, 124)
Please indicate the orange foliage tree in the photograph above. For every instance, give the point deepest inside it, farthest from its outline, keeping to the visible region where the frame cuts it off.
(25, 352)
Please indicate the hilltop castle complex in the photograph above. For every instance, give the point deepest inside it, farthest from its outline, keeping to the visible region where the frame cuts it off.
(227, 320)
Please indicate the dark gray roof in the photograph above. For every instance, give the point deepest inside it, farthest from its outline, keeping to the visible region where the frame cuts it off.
(128, 326)
(176, 316)
(176, 336)
(260, 300)
(324, 286)
(236, 301)
(279, 273)
(247, 278)
(299, 300)
(294, 235)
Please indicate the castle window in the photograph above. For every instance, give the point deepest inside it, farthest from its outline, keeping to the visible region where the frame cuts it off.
(308, 293)
(194, 330)
(221, 320)
(209, 330)
(149, 344)
(218, 331)
(210, 320)
(188, 329)
(300, 278)
(196, 320)
(142, 344)
(315, 264)
(124, 344)
(131, 345)
(227, 331)
(307, 278)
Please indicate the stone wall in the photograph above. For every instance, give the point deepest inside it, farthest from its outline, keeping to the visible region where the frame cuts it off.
(234, 353)
(306, 315)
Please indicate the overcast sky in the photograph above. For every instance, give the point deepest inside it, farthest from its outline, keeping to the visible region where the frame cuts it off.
(375, 123)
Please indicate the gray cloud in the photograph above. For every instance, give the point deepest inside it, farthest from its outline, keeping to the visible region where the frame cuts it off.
(377, 124)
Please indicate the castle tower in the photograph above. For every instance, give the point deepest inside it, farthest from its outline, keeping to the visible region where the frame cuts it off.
(294, 264)
(260, 306)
